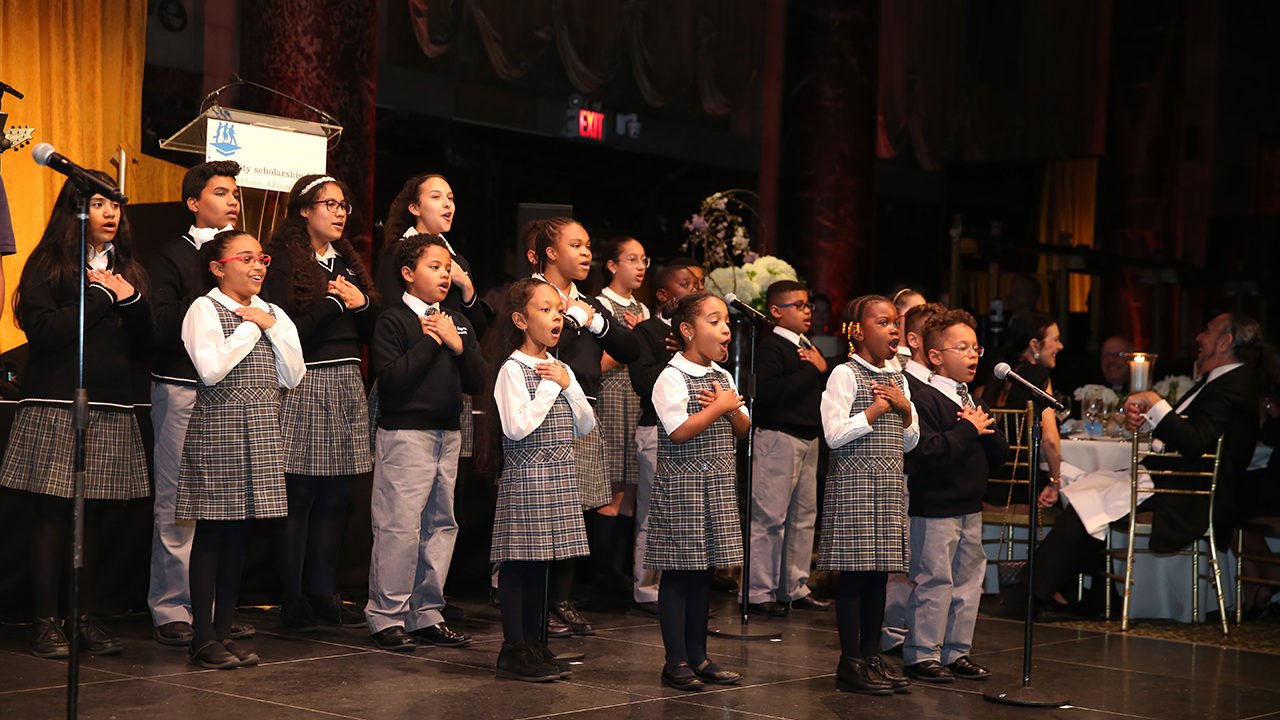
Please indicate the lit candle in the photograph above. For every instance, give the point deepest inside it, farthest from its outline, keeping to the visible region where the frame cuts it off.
(1140, 372)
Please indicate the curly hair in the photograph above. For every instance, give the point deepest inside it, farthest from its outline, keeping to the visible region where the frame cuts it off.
(308, 282)
(408, 252)
(399, 218)
(56, 258)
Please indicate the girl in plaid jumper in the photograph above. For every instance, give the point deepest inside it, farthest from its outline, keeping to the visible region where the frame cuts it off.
(538, 518)
(869, 422)
(693, 515)
(232, 471)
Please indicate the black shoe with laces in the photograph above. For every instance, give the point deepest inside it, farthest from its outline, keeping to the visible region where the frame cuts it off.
(884, 671)
(522, 662)
(96, 639)
(174, 634)
(48, 640)
(570, 616)
(853, 675)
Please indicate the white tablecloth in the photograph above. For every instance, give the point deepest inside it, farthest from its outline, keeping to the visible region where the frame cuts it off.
(1100, 454)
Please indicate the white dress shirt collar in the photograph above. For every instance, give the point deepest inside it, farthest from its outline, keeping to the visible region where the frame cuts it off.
(609, 293)
(918, 371)
(525, 358)
(789, 335)
(200, 236)
(1214, 374)
(220, 297)
(689, 367)
(416, 304)
(946, 386)
(888, 366)
(99, 260)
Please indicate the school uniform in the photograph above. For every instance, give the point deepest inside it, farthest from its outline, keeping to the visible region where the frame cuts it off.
(416, 466)
(177, 279)
(619, 405)
(643, 372)
(581, 347)
(693, 515)
(863, 514)
(948, 477)
(118, 336)
(898, 591)
(233, 454)
(538, 515)
(784, 505)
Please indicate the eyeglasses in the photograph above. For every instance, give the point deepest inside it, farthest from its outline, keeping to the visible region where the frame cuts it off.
(966, 349)
(248, 259)
(640, 260)
(801, 306)
(334, 205)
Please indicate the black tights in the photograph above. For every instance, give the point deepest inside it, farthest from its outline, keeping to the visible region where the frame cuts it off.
(522, 590)
(50, 552)
(217, 561)
(860, 612)
(561, 580)
(312, 534)
(684, 598)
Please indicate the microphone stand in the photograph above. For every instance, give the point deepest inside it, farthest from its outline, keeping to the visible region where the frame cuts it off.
(80, 422)
(749, 394)
(1025, 695)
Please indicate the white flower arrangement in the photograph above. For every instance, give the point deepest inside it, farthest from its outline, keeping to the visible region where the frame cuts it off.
(1173, 387)
(750, 280)
(1101, 393)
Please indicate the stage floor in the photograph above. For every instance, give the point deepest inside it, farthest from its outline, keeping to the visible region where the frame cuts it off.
(336, 673)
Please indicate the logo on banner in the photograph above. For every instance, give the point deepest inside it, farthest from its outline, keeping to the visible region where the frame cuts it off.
(224, 139)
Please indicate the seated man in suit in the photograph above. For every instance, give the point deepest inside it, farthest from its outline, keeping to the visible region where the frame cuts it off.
(1223, 403)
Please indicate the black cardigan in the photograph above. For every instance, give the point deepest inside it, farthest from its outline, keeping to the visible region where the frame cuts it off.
(652, 335)
(582, 351)
(788, 389)
(948, 469)
(420, 381)
(387, 280)
(329, 332)
(177, 279)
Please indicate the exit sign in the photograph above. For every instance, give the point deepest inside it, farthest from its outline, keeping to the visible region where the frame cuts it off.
(590, 124)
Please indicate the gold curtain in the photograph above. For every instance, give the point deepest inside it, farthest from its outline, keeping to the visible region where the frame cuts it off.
(79, 65)
(1067, 205)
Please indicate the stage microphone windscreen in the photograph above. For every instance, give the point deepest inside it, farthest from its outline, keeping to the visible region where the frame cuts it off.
(733, 301)
(42, 152)
(90, 184)
(1002, 371)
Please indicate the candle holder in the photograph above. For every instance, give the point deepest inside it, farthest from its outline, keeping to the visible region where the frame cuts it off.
(1140, 367)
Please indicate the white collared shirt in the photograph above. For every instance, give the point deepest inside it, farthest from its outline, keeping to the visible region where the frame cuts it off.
(200, 236)
(1162, 408)
(326, 258)
(99, 260)
(418, 305)
(579, 315)
(215, 354)
(521, 414)
(838, 427)
(671, 393)
(949, 388)
(918, 371)
(790, 336)
(615, 297)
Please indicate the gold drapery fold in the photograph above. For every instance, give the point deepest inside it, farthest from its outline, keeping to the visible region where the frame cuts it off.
(79, 64)
(1068, 202)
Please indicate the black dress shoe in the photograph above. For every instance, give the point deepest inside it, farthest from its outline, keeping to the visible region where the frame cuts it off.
(681, 677)
(48, 640)
(96, 639)
(884, 671)
(440, 634)
(771, 608)
(895, 651)
(646, 608)
(296, 615)
(562, 664)
(394, 639)
(709, 672)
(331, 610)
(853, 675)
(569, 614)
(244, 656)
(174, 633)
(242, 631)
(809, 602)
(556, 628)
(929, 671)
(966, 669)
(213, 656)
(522, 662)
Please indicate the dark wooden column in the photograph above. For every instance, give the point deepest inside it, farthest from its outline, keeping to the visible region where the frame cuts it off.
(322, 52)
(828, 149)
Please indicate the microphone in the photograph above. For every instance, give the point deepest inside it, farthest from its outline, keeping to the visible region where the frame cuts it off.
(44, 154)
(1003, 372)
(744, 308)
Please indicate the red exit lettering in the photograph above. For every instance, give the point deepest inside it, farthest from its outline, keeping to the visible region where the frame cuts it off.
(591, 124)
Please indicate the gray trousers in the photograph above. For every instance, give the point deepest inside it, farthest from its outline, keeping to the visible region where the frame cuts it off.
(947, 567)
(784, 509)
(897, 594)
(170, 596)
(644, 583)
(414, 527)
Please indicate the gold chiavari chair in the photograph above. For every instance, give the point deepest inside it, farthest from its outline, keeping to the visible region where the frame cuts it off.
(1267, 527)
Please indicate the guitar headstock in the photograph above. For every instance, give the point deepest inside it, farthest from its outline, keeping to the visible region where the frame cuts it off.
(17, 136)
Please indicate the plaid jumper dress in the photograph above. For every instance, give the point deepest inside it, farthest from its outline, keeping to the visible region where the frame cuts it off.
(538, 516)
(618, 410)
(864, 515)
(233, 456)
(693, 512)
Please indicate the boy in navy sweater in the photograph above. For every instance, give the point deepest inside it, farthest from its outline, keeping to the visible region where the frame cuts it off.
(946, 476)
(791, 375)
(425, 356)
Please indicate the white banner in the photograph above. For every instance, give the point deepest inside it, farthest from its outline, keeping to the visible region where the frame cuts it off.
(269, 159)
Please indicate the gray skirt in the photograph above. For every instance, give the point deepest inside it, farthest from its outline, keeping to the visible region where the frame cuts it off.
(588, 454)
(325, 422)
(538, 515)
(618, 410)
(42, 443)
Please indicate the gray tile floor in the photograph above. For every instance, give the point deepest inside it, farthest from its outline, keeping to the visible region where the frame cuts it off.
(337, 674)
